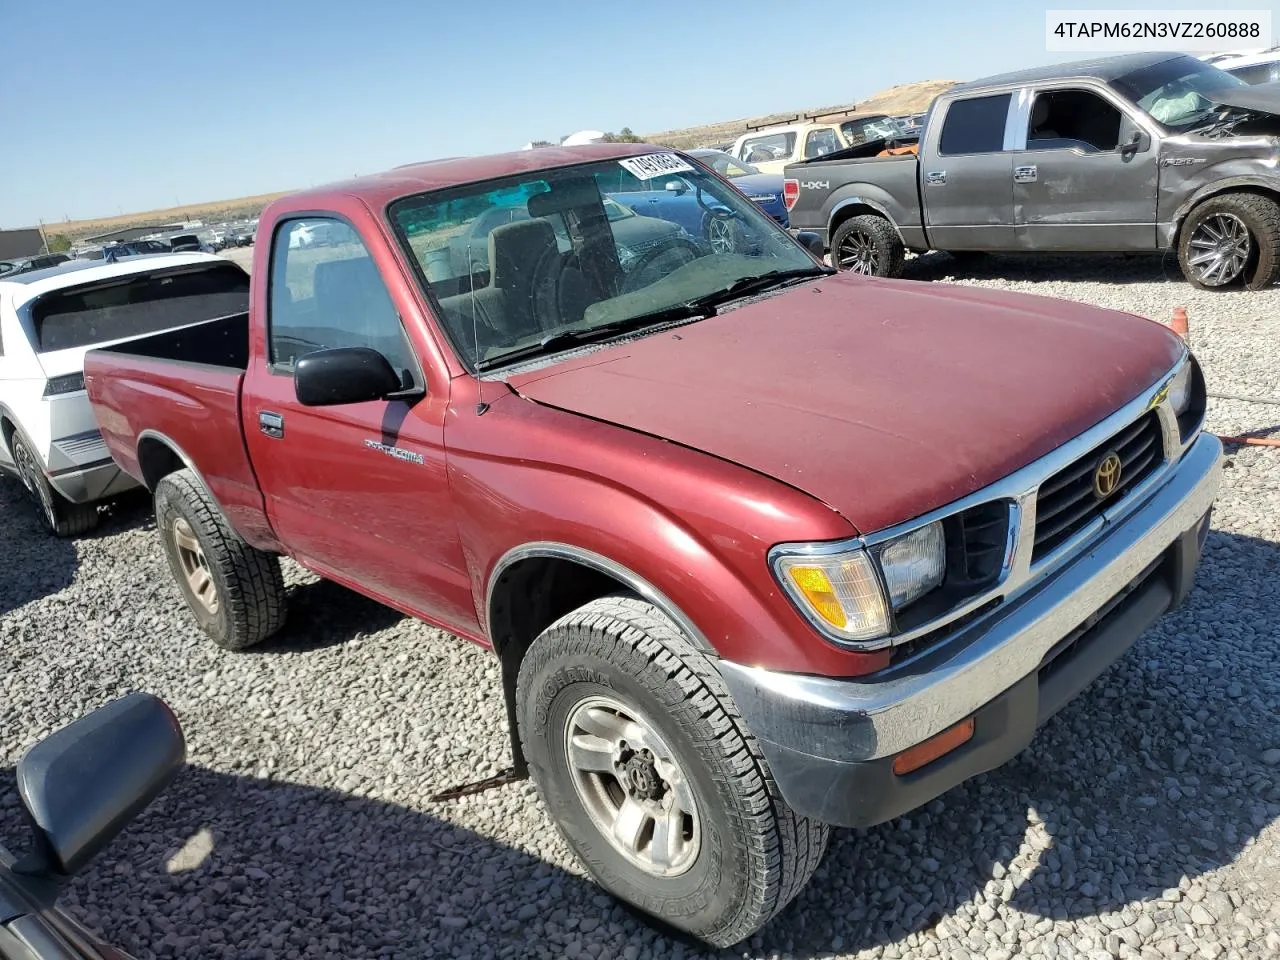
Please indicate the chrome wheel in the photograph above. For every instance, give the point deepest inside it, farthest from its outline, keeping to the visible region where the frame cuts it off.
(32, 478)
(1220, 249)
(631, 786)
(857, 252)
(194, 565)
(720, 235)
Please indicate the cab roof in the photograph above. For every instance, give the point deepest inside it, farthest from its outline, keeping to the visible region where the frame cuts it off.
(1100, 68)
(379, 189)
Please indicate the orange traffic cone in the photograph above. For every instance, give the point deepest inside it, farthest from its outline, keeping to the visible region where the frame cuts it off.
(1179, 322)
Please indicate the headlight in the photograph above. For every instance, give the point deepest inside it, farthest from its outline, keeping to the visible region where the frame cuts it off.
(850, 594)
(1180, 389)
(840, 592)
(914, 564)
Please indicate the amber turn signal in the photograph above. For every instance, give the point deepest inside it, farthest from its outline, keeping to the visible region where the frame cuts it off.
(924, 753)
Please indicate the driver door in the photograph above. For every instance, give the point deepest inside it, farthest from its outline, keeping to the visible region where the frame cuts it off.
(358, 491)
(1081, 181)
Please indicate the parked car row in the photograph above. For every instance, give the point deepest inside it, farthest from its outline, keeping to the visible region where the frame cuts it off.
(20, 265)
(1141, 152)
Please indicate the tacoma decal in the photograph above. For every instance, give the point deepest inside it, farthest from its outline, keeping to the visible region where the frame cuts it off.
(398, 452)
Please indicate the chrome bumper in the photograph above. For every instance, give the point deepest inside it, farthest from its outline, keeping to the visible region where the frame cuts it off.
(864, 719)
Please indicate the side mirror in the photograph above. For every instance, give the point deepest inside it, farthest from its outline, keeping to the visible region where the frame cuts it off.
(812, 242)
(678, 187)
(81, 785)
(341, 375)
(1139, 141)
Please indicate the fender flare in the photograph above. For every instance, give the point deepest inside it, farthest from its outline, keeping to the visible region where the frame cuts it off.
(177, 451)
(858, 200)
(551, 550)
(1226, 185)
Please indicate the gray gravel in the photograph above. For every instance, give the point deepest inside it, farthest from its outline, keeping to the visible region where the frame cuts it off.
(1141, 823)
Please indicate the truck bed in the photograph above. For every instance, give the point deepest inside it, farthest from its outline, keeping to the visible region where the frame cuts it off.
(181, 389)
(889, 185)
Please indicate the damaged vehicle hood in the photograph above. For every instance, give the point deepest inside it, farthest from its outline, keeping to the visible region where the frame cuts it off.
(882, 398)
(1261, 98)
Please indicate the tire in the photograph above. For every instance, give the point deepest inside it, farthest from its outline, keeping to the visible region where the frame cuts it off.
(1252, 221)
(742, 854)
(61, 517)
(723, 234)
(235, 591)
(873, 247)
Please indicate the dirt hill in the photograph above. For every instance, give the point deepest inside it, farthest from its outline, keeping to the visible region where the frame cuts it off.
(905, 98)
(902, 99)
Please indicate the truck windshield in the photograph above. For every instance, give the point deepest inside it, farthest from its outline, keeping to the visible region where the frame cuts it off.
(566, 255)
(136, 305)
(1173, 92)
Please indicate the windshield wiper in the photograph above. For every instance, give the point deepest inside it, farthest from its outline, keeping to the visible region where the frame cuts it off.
(568, 339)
(745, 286)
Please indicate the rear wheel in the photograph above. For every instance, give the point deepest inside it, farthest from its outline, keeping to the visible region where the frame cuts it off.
(235, 591)
(868, 245)
(652, 777)
(62, 517)
(1231, 237)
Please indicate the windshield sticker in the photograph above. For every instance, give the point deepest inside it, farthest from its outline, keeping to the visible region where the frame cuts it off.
(654, 165)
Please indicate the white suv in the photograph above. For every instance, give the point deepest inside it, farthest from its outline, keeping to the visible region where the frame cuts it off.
(49, 320)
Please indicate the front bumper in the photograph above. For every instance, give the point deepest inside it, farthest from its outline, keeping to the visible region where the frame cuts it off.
(831, 742)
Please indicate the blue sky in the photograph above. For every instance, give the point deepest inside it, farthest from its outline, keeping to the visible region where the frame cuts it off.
(110, 108)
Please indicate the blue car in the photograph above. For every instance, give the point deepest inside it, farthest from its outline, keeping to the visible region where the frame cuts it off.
(765, 189)
(671, 198)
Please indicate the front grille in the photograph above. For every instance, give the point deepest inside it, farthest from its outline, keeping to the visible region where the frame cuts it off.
(1066, 502)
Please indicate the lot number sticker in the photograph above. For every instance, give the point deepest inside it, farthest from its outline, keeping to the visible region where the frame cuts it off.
(654, 165)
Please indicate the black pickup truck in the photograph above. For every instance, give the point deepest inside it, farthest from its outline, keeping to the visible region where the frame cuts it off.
(1138, 152)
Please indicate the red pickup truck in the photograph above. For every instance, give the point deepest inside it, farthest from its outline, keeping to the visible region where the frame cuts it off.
(760, 548)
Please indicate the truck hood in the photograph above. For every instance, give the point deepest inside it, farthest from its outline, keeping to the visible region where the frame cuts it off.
(884, 399)
(1260, 98)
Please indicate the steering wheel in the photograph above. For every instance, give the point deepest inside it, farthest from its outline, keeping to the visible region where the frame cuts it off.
(686, 250)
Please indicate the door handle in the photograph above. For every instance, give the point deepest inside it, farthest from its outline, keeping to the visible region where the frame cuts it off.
(272, 424)
(936, 176)
(1027, 174)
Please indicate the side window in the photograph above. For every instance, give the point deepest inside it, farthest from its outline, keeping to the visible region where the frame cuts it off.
(773, 146)
(326, 292)
(975, 126)
(1073, 119)
(819, 143)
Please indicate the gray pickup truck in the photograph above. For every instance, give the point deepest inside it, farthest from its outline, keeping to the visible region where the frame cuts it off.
(1139, 152)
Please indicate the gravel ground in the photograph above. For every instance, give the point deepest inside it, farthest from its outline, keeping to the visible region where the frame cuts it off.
(1142, 821)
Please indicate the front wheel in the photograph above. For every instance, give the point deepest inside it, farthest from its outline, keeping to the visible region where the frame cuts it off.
(62, 517)
(1231, 237)
(868, 245)
(652, 777)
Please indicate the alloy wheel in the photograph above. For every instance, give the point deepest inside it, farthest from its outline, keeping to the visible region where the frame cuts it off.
(632, 787)
(720, 235)
(32, 478)
(857, 253)
(1220, 248)
(194, 565)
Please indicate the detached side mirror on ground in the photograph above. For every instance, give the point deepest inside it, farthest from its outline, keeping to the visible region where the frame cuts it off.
(812, 242)
(344, 375)
(83, 784)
